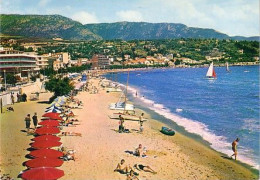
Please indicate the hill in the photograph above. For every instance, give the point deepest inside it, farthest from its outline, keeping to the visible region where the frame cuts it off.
(45, 26)
(144, 30)
(52, 26)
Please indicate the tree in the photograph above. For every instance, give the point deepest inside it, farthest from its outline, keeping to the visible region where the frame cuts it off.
(59, 86)
(11, 79)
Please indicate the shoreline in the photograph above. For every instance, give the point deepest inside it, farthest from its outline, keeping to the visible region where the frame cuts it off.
(100, 148)
(104, 71)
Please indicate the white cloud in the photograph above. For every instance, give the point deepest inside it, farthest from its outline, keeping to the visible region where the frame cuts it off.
(85, 17)
(237, 17)
(129, 15)
(43, 3)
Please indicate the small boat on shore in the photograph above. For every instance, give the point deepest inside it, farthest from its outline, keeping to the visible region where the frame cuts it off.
(168, 131)
(211, 74)
(113, 89)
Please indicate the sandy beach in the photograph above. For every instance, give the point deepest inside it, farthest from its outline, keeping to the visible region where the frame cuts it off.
(101, 147)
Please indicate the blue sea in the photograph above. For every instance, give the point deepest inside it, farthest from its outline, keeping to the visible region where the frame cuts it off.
(217, 110)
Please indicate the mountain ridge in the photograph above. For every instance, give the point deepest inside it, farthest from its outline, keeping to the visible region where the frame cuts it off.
(51, 26)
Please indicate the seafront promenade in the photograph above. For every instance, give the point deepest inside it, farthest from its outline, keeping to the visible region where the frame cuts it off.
(100, 147)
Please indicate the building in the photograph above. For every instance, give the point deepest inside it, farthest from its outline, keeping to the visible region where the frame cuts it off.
(9, 50)
(100, 61)
(21, 64)
(42, 62)
(62, 56)
(57, 65)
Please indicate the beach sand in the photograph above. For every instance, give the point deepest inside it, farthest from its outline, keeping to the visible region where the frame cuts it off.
(101, 147)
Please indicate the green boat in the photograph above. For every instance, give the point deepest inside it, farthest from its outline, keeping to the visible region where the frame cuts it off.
(167, 131)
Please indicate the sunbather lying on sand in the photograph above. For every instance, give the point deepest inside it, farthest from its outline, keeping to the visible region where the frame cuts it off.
(67, 154)
(70, 134)
(141, 167)
(122, 168)
(69, 123)
(10, 109)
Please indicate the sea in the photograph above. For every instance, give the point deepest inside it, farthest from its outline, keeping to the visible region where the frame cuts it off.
(217, 111)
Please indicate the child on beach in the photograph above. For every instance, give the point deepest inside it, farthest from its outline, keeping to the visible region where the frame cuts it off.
(132, 176)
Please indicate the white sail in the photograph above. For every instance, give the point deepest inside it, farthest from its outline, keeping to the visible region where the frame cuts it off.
(227, 67)
(210, 70)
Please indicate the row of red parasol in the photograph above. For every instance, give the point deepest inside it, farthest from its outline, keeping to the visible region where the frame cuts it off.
(43, 166)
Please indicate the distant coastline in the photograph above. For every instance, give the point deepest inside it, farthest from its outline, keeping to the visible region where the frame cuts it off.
(104, 71)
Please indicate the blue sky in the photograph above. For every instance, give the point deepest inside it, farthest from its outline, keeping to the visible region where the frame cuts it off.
(233, 17)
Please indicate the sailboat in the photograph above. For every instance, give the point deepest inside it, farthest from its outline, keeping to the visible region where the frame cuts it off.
(211, 74)
(122, 105)
(227, 67)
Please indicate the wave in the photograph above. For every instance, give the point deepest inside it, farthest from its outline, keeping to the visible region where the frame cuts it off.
(179, 110)
(218, 143)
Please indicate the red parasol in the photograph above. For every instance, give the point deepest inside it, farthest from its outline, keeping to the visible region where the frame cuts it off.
(49, 123)
(45, 144)
(46, 138)
(46, 173)
(44, 162)
(46, 153)
(47, 130)
(52, 115)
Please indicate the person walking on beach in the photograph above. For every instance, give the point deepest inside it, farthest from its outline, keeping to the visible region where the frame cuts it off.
(141, 121)
(234, 148)
(18, 97)
(121, 124)
(35, 120)
(28, 122)
(12, 98)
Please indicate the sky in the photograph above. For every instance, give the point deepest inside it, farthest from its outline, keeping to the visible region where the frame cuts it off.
(233, 17)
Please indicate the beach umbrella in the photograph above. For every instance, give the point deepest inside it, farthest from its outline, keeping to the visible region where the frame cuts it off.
(45, 144)
(47, 130)
(40, 173)
(52, 115)
(54, 107)
(44, 162)
(46, 138)
(53, 110)
(51, 153)
(54, 103)
(50, 123)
